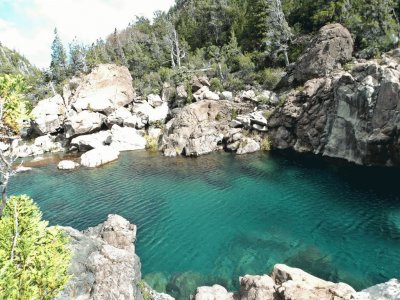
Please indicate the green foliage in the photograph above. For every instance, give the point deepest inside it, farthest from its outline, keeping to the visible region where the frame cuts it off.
(34, 259)
(151, 143)
(216, 85)
(265, 144)
(189, 91)
(144, 290)
(267, 114)
(234, 114)
(270, 77)
(16, 107)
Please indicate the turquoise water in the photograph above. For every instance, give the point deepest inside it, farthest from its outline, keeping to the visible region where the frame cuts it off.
(214, 218)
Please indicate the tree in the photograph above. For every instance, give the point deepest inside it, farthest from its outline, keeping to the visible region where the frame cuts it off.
(279, 33)
(77, 58)
(116, 51)
(172, 39)
(58, 64)
(13, 108)
(34, 259)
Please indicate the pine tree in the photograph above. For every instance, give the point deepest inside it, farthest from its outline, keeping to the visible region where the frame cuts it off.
(58, 65)
(77, 55)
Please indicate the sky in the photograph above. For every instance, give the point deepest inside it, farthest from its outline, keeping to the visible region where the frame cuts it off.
(28, 25)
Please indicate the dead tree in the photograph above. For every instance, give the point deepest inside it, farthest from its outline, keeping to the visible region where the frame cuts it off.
(176, 52)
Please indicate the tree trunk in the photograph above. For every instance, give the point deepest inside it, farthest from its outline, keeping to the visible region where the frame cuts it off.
(3, 198)
(285, 54)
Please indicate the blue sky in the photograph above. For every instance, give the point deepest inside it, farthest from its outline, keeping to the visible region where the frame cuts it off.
(28, 25)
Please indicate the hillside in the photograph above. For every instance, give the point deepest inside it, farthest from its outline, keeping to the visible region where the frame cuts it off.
(12, 62)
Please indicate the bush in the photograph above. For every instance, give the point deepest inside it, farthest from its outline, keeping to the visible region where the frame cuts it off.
(34, 259)
(216, 85)
(265, 144)
(151, 143)
(270, 77)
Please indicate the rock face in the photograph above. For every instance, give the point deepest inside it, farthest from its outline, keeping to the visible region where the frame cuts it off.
(126, 139)
(199, 128)
(353, 115)
(49, 115)
(104, 264)
(99, 156)
(83, 123)
(106, 88)
(331, 47)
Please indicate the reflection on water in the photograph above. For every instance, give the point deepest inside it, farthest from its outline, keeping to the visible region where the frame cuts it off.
(215, 218)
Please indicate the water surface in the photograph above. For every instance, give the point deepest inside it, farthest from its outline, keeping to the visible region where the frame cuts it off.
(214, 218)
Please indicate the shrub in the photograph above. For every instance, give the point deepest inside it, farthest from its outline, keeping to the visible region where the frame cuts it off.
(151, 143)
(216, 85)
(270, 77)
(265, 144)
(234, 114)
(34, 259)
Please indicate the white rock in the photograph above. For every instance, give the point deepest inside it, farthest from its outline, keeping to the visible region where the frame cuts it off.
(118, 117)
(269, 97)
(248, 145)
(105, 89)
(215, 292)
(155, 132)
(67, 165)
(226, 95)
(154, 100)
(48, 115)
(47, 144)
(248, 95)
(22, 169)
(209, 95)
(159, 113)
(126, 139)
(83, 123)
(99, 156)
(91, 141)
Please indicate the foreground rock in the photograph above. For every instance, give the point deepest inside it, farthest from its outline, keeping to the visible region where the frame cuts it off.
(285, 283)
(99, 156)
(104, 265)
(386, 291)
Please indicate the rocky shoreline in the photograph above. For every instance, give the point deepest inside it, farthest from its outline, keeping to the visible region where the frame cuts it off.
(105, 266)
(329, 103)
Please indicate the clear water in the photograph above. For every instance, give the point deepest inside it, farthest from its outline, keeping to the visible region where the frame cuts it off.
(212, 219)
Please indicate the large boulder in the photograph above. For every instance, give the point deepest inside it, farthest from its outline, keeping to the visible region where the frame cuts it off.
(126, 139)
(48, 115)
(92, 141)
(104, 263)
(67, 165)
(83, 123)
(105, 89)
(256, 287)
(118, 117)
(99, 156)
(329, 49)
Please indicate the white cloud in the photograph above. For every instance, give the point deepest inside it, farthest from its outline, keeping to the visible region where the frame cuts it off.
(85, 19)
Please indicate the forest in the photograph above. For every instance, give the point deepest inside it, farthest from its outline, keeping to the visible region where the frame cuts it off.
(237, 43)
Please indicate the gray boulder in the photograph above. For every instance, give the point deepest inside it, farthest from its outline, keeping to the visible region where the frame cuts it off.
(83, 122)
(104, 264)
(67, 165)
(49, 115)
(328, 50)
(248, 145)
(126, 139)
(105, 89)
(91, 141)
(99, 156)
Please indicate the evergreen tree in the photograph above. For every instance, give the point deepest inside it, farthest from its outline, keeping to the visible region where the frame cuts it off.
(58, 65)
(77, 58)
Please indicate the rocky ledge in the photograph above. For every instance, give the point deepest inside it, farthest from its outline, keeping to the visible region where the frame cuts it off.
(105, 266)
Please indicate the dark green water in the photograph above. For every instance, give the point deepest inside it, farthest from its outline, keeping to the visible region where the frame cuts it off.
(215, 218)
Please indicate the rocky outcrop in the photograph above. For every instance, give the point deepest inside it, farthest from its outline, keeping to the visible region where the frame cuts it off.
(330, 49)
(104, 264)
(91, 141)
(99, 156)
(199, 128)
(105, 89)
(126, 139)
(351, 115)
(48, 115)
(285, 283)
(83, 123)
(385, 291)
